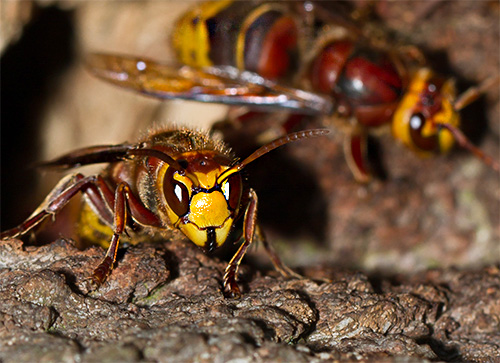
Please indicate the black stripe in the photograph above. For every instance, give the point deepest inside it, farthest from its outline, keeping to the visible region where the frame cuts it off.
(211, 242)
(255, 36)
(223, 29)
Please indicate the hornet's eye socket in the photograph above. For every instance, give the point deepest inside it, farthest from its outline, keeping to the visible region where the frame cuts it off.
(424, 143)
(232, 190)
(177, 195)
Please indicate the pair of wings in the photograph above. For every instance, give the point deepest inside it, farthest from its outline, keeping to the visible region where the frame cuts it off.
(218, 84)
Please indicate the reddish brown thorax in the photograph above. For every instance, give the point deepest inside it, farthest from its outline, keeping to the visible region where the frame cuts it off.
(364, 81)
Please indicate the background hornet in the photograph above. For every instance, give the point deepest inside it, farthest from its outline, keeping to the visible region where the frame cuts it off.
(249, 53)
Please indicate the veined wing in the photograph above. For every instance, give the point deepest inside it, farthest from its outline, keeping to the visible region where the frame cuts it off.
(222, 84)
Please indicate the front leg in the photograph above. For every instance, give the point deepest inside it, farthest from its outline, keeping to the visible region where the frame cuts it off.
(231, 288)
(250, 227)
(355, 152)
(124, 202)
(119, 221)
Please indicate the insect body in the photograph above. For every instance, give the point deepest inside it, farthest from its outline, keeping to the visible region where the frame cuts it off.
(261, 38)
(341, 76)
(173, 180)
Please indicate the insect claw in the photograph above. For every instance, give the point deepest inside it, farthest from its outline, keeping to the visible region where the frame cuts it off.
(89, 284)
(231, 290)
(288, 273)
(230, 287)
(102, 271)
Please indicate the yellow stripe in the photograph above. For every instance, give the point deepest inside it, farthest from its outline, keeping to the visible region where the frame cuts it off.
(191, 40)
(240, 41)
(182, 36)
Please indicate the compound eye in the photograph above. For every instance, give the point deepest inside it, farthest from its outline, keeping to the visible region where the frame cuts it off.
(177, 196)
(424, 143)
(232, 190)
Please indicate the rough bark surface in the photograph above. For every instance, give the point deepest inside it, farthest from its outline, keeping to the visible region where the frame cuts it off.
(163, 303)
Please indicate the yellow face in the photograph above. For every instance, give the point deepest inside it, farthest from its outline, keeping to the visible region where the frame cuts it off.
(203, 209)
(427, 103)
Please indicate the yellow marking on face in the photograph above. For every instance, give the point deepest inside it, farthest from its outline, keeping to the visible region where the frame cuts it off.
(205, 210)
(447, 115)
(208, 209)
(406, 109)
(208, 180)
(188, 180)
(199, 236)
(222, 232)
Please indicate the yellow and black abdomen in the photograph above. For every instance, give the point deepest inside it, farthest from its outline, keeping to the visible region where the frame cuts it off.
(259, 38)
(92, 229)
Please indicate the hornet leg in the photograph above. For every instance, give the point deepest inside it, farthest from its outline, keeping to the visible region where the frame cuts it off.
(124, 202)
(57, 199)
(231, 288)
